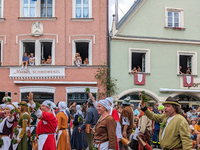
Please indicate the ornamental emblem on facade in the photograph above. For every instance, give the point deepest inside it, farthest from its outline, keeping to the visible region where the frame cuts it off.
(37, 29)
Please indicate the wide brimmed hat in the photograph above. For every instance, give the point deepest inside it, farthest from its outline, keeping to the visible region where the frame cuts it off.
(171, 100)
(127, 101)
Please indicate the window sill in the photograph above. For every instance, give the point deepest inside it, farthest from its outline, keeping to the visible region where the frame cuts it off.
(140, 73)
(37, 18)
(82, 19)
(186, 75)
(2, 19)
(173, 28)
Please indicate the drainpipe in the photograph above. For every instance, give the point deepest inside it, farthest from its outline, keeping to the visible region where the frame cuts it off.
(108, 40)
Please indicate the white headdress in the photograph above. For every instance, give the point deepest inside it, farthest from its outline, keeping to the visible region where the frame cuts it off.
(62, 107)
(105, 104)
(49, 104)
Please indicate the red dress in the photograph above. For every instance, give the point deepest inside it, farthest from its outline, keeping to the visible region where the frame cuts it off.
(115, 115)
(49, 126)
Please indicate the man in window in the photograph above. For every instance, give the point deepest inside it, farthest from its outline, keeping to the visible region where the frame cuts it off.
(180, 68)
(5, 98)
(25, 60)
(32, 60)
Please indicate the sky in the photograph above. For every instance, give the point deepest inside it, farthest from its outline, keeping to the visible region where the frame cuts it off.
(123, 7)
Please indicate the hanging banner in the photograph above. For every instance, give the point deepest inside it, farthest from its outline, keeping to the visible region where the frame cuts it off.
(188, 81)
(140, 79)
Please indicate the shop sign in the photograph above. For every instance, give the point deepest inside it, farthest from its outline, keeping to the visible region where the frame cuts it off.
(43, 72)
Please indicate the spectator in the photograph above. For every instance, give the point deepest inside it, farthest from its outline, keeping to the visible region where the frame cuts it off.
(137, 111)
(132, 106)
(197, 132)
(119, 110)
(31, 60)
(194, 113)
(25, 60)
(43, 61)
(188, 71)
(6, 97)
(72, 109)
(139, 69)
(180, 68)
(77, 60)
(49, 60)
(192, 126)
(86, 61)
(134, 70)
(189, 114)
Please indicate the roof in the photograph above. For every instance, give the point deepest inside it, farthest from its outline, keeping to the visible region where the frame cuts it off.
(133, 8)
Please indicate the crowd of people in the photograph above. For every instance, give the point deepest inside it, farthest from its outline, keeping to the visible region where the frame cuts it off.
(96, 125)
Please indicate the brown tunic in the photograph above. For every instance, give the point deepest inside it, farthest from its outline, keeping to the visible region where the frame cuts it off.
(127, 113)
(105, 131)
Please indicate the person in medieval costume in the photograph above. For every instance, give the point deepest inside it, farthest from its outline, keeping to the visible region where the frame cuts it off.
(46, 127)
(6, 127)
(22, 124)
(32, 128)
(115, 115)
(91, 119)
(63, 140)
(2, 111)
(174, 131)
(16, 117)
(78, 139)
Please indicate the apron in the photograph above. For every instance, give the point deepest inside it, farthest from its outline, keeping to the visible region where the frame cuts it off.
(58, 137)
(103, 146)
(6, 143)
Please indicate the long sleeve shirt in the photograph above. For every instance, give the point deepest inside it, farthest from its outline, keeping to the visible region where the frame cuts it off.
(105, 131)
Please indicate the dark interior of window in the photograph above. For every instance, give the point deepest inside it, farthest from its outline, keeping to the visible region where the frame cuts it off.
(29, 47)
(0, 54)
(2, 94)
(184, 62)
(46, 48)
(82, 48)
(137, 60)
(79, 98)
(38, 97)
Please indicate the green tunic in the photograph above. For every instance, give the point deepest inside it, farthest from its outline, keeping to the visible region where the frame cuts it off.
(177, 132)
(33, 123)
(23, 122)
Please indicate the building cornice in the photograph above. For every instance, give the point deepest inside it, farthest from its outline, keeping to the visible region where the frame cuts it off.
(156, 40)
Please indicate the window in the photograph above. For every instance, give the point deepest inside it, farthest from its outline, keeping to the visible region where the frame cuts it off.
(0, 8)
(43, 51)
(82, 9)
(140, 59)
(174, 18)
(187, 61)
(1, 57)
(84, 48)
(46, 52)
(2, 94)
(46, 8)
(79, 98)
(28, 8)
(38, 97)
(39, 8)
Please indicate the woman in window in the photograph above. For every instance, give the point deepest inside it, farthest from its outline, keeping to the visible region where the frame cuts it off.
(31, 59)
(77, 60)
(48, 60)
(188, 71)
(86, 61)
(139, 69)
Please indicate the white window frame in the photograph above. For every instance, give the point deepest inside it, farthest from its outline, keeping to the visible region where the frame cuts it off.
(194, 60)
(38, 8)
(89, 49)
(74, 9)
(37, 50)
(2, 9)
(147, 58)
(1, 42)
(181, 16)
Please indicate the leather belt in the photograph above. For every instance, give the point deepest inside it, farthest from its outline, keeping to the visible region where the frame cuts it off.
(3, 136)
(99, 144)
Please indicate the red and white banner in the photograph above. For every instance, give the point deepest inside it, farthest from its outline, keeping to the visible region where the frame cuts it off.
(188, 81)
(140, 79)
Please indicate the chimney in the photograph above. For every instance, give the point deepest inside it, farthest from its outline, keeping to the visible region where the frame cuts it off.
(116, 11)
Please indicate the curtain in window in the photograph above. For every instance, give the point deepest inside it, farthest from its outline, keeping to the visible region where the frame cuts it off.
(43, 8)
(78, 8)
(85, 8)
(28, 8)
(46, 8)
(49, 8)
(32, 8)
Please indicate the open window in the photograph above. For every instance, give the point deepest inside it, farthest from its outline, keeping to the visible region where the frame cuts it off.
(187, 62)
(84, 49)
(29, 47)
(46, 53)
(138, 61)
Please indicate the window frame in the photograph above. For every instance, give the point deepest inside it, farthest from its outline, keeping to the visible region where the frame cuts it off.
(74, 9)
(194, 60)
(37, 9)
(181, 16)
(2, 9)
(37, 50)
(147, 58)
(1, 45)
(89, 50)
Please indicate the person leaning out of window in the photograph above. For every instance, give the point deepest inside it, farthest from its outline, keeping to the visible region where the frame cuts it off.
(77, 60)
(188, 71)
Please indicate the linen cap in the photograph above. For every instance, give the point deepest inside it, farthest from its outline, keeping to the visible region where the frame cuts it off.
(105, 104)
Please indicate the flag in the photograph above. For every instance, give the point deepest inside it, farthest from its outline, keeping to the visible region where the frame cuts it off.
(140, 79)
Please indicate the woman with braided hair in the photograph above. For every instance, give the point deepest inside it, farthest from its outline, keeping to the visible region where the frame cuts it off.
(23, 122)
